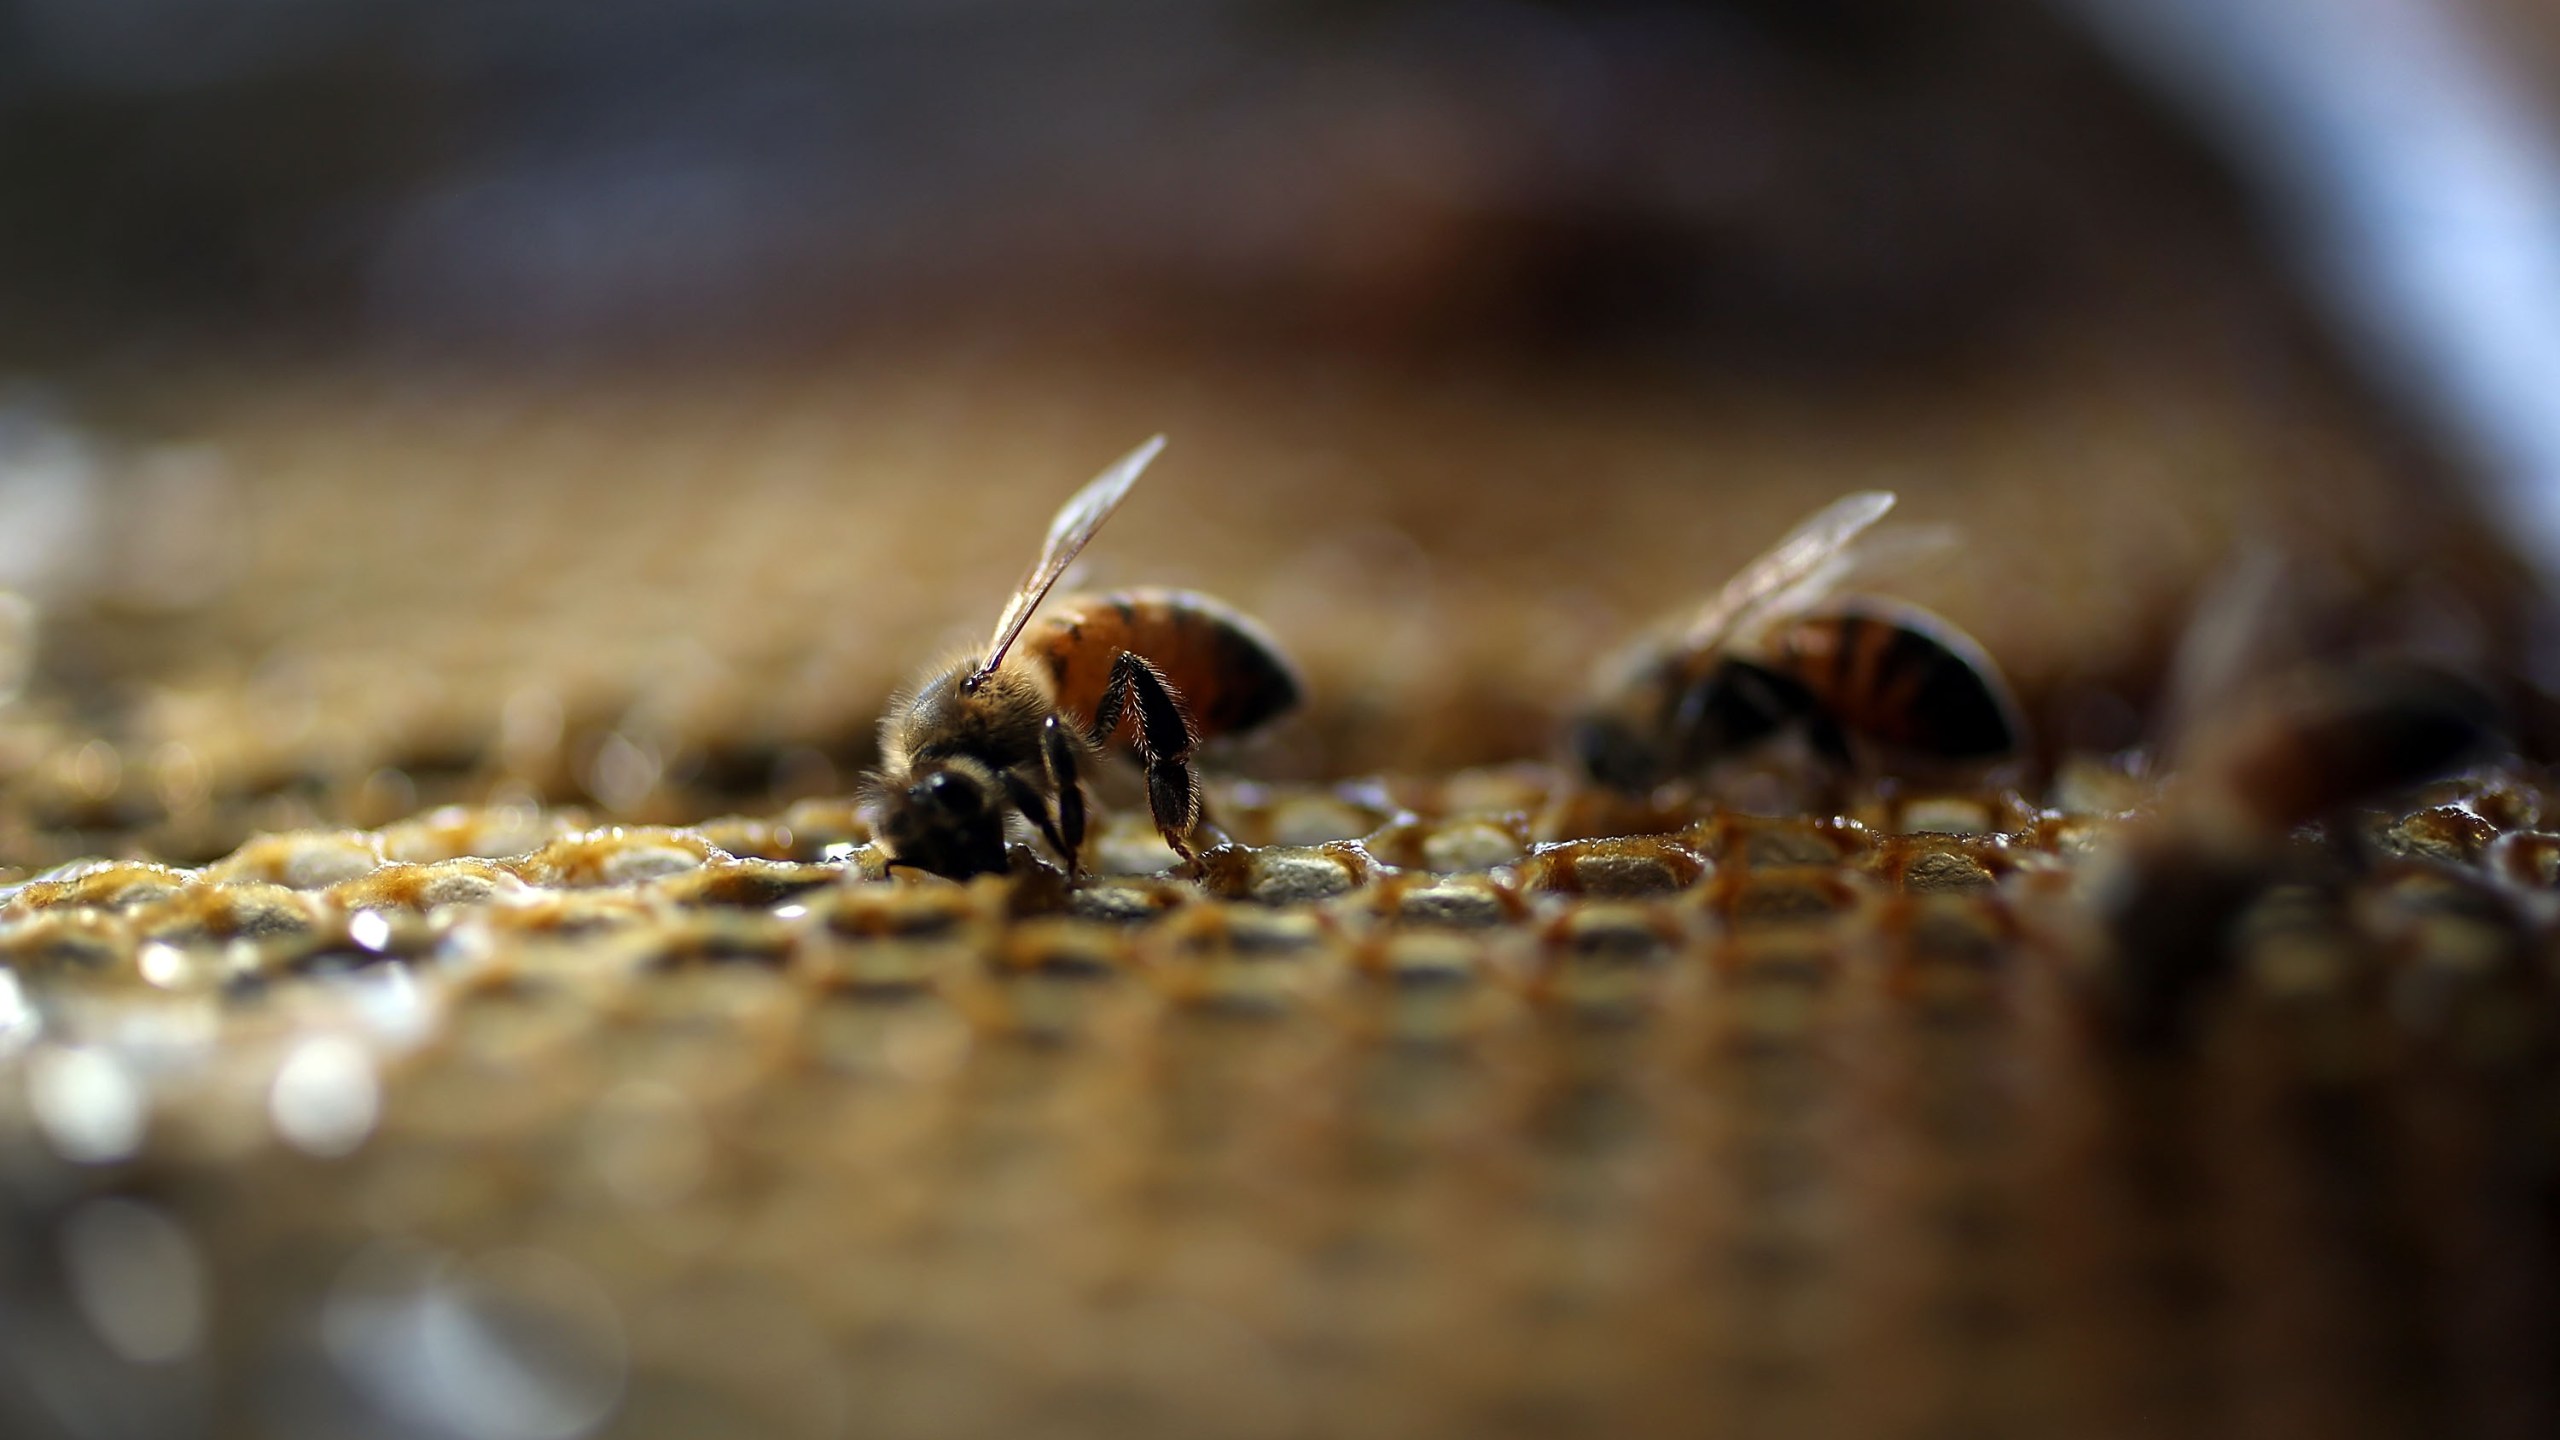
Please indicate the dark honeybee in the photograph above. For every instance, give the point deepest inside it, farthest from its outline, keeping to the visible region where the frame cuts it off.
(2330, 738)
(2266, 741)
(1776, 649)
(1008, 729)
(2172, 893)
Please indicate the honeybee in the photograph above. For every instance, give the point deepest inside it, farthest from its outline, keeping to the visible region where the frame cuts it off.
(1009, 728)
(2266, 742)
(1777, 648)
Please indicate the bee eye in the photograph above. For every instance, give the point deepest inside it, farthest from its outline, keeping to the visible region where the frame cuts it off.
(953, 794)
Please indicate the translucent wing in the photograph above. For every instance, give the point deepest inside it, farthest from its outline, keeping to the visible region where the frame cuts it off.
(2253, 621)
(1893, 557)
(1077, 521)
(1808, 563)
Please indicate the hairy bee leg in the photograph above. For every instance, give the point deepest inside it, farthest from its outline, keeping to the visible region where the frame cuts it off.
(1165, 742)
(1036, 810)
(1115, 702)
(1058, 752)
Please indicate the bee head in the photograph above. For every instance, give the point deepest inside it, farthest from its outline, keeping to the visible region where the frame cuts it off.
(1613, 752)
(1666, 725)
(945, 819)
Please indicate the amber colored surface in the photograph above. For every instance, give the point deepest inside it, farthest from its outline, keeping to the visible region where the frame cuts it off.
(396, 1038)
(1758, 1126)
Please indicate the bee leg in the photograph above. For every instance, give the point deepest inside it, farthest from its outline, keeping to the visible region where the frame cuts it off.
(1058, 752)
(1035, 808)
(1165, 742)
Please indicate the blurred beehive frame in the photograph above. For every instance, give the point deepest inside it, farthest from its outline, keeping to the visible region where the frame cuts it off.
(476, 477)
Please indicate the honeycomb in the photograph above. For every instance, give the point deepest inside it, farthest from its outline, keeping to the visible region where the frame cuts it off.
(446, 989)
(1416, 1114)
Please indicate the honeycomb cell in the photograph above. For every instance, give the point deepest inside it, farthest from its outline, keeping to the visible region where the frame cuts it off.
(886, 938)
(1755, 842)
(307, 861)
(1063, 949)
(1603, 935)
(1304, 820)
(1949, 927)
(353, 939)
(1777, 956)
(1287, 875)
(1122, 900)
(1945, 815)
(1242, 957)
(616, 855)
(66, 941)
(1603, 960)
(98, 885)
(1632, 866)
(565, 914)
(427, 887)
(1424, 958)
(1472, 844)
(1049, 980)
(1459, 902)
(2447, 834)
(746, 884)
(241, 910)
(722, 936)
(1804, 895)
(1426, 988)
(1930, 865)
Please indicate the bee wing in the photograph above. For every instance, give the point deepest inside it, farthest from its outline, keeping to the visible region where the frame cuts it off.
(1898, 554)
(1074, 528)
(1790, 575)
(1870, 559)
(2257, 619)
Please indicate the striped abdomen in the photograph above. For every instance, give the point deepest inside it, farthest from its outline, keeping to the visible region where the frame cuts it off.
(1899, 676)
(1229, 673)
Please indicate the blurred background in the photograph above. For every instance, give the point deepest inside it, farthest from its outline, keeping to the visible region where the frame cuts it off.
(512, 391)
(1844, 182)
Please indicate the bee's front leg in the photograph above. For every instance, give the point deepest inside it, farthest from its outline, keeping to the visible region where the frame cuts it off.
(1034, 806)
(1058, 754)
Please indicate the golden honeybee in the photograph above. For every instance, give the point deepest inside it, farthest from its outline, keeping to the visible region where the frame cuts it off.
(1777, 648)
(1010, 728)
